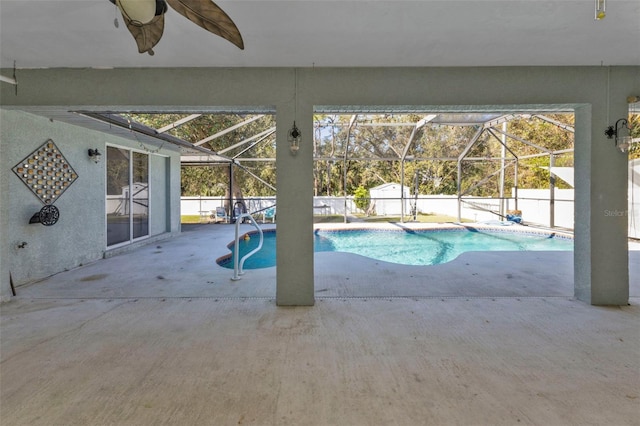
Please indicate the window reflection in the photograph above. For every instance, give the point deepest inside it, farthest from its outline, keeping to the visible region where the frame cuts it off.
(140, 195)
(117, 195)
(127, 204)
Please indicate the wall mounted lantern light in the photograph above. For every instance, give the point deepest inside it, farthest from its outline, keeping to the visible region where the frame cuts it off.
(622, 142)
(94, 155)
(601, 7)
(294, 137)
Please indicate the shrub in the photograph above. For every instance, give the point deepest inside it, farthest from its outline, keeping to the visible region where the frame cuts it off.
(361, 198)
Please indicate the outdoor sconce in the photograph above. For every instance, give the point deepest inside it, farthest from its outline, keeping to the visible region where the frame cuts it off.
(294, 137)
(95, 155)
(622, 142)
(600, 9)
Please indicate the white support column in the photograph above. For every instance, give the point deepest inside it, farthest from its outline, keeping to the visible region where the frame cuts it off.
(294, 248)
(601, 259)
(503, 155)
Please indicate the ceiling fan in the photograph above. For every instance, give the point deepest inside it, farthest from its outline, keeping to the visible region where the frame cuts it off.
(145, 20)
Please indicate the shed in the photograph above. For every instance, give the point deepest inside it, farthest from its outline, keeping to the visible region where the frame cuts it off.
(387, 198)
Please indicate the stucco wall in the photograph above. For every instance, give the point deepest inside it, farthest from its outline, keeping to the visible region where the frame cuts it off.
(5, 293)
(79, 235)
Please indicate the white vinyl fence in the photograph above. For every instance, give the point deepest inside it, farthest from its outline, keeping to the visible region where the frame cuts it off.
(534, 204)
(634, 199)
(476, 209)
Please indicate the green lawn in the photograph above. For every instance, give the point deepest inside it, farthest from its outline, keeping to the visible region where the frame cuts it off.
(332, 218)
(194, 218)
(422, 218)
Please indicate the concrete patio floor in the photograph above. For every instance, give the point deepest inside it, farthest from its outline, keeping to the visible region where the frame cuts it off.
(161, 335)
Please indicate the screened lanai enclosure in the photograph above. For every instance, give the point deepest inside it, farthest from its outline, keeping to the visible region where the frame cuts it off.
(227, 161)
(449, 165)
(430, 166)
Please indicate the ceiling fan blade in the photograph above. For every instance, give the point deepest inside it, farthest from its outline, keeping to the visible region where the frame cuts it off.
(146, 35)
(209, 16)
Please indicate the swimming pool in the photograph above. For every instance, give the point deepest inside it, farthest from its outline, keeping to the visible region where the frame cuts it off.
(407, 246)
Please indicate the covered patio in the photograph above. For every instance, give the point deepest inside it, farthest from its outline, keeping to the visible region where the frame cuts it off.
(487, 339)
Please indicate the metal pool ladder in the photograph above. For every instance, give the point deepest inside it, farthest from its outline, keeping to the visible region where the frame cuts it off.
(238, 263)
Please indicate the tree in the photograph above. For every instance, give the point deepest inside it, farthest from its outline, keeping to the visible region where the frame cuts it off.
(361, 198)
(374, 150)
(214, 180)
(634, 131)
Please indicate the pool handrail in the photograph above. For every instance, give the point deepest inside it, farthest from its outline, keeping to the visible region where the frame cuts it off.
(239, 263)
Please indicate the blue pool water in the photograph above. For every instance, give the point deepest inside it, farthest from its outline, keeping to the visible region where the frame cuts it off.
(406, 247)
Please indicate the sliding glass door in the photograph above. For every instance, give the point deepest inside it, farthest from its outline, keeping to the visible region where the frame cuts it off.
(140, 195)
(127, 204)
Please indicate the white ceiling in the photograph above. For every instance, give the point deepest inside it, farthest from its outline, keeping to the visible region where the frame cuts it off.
(323, 33)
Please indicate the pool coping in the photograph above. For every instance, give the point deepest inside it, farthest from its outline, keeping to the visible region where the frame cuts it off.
(449, 226)
(510, 227)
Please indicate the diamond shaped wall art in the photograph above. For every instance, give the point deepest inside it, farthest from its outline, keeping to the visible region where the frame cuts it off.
(46, 172)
